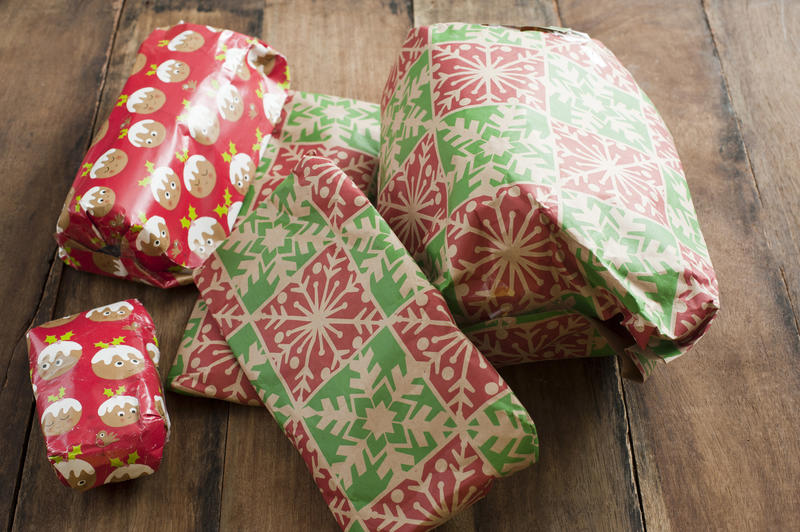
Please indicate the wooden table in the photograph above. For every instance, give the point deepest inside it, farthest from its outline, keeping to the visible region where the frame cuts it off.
(709, 442)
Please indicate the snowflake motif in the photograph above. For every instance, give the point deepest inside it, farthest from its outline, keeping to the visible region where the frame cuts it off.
(472, 74)
(450, 481)
(512, 341)
(315, 324)
(612, 172)
(505, 257)
(414, 205)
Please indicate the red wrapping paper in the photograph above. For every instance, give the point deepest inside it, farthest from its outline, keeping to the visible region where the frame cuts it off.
(99, 400)
(162, 183)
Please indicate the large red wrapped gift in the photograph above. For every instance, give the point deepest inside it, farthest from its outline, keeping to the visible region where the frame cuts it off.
(163, 180)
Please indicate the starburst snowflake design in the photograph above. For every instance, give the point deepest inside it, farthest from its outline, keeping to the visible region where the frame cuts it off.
(474, 74)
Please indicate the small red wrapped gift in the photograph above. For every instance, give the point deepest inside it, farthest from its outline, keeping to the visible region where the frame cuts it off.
(98, 395)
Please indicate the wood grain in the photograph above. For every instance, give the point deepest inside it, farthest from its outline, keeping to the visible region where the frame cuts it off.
(345, 49)
(584, 479)
(715, 432)
(757, 43)
(50, 89)
(186, 492)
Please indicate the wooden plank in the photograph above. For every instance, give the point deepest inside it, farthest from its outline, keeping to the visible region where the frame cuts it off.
(757, 44)
(47, 111)
(186, 492)
(327, 53)
(715, 433)
(584, 479)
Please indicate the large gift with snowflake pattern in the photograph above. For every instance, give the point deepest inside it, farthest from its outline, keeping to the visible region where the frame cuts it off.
(340, 129)
(162, 182)
(541, 192)
(400, 419)
(98, 395)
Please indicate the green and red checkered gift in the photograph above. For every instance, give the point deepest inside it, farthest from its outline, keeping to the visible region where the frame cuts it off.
(538, 188)
(400, 419)
(341, 129)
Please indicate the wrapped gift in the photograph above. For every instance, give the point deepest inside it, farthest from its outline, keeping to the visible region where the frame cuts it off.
(528, 173)
(400, 419)
(161, 183)
(340, 129)
(98, 395)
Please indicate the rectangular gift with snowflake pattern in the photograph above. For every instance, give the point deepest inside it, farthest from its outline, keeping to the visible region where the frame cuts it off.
(341, 129)
(400, 419)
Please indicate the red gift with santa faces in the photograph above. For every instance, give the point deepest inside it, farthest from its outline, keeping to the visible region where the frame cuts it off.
(163, 180)
(99, 400)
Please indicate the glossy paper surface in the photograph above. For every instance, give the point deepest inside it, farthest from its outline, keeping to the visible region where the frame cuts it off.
(401, 421)
(527, 172)
(341, 129)
(164, 179)
(99, 401)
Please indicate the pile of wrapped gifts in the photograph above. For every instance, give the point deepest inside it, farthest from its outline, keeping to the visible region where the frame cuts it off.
(364, 268)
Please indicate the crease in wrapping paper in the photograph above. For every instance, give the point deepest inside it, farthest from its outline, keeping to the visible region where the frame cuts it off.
(554, 186)
(401, 421)
(341, 129)
(162, 182)
(98, 395)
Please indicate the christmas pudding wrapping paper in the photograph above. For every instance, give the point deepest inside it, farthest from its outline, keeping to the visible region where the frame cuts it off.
(541, 192)
(164, 178)
(98, 395)
(401, 421)
(340, 129)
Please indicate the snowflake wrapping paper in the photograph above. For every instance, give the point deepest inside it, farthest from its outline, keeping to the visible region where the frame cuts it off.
(340, 129)
(165, 176)
(401, 421)
(541, 192)
(99, 401)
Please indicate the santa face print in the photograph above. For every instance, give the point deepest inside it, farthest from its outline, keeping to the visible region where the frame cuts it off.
(129, 472)
(243, 172)
(139, 63)
(199, 176)
(98, 201)
(235, 62)
(147, 134)
(146, 100)
(203, 125)
(166, 187)
(117, 362)
(63, 218)
(153, 239)
(57, 359)
(112, 312)
(153, 352)
(229, 103)
(109, 264)
(261, 59)
(61, 416)
(100, 132)
(172, 71)
(187, 41)
(79, 474)
(119, 411)
(205, 234)
(109, 164)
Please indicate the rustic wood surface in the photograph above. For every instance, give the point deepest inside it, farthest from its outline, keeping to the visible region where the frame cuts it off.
(710, 442)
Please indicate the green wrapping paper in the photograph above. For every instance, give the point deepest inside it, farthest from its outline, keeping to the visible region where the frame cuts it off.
(541, 192)
(400, 419)
(341, 129)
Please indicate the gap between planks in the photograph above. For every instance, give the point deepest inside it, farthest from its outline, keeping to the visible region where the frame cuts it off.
(750, 168)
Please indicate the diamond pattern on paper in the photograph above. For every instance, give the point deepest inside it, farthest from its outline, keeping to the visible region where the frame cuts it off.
(357, 357)
(602, 227)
